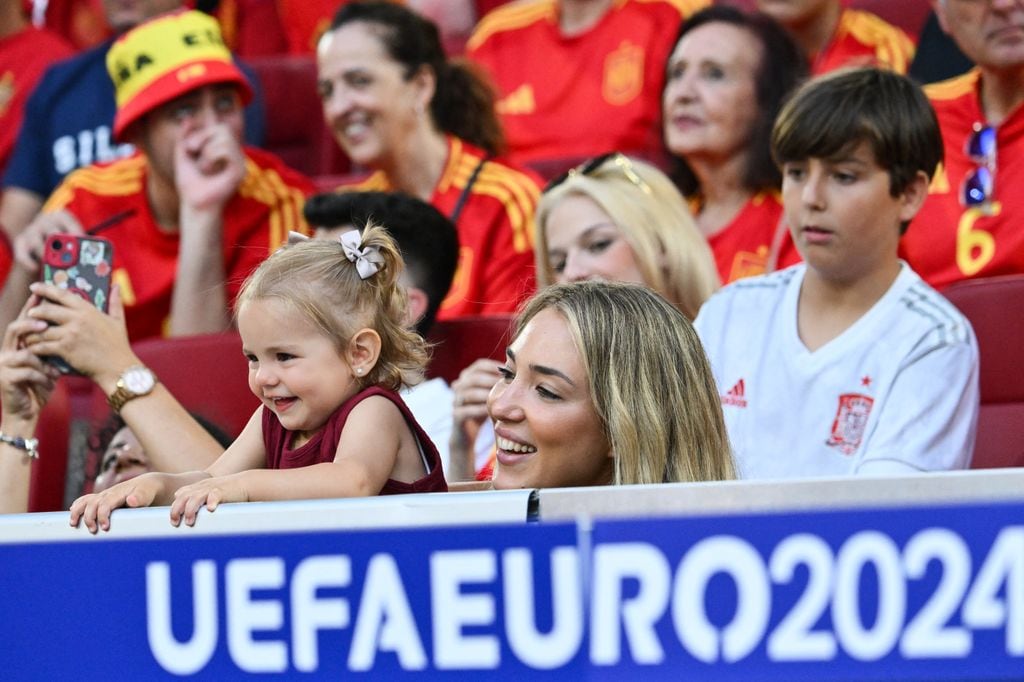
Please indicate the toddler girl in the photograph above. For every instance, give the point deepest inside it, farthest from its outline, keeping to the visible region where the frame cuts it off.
(323, 328)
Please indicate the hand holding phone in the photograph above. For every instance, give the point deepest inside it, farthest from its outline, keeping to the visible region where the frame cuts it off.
(82, 265)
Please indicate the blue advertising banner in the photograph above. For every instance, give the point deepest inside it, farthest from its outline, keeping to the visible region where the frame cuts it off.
(334, 604)
(931, 593)
(896, 594)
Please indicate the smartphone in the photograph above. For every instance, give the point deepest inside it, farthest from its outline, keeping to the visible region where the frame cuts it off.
(83, 265)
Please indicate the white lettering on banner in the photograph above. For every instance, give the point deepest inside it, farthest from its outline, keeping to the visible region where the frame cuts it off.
(310, 613)
(792, 639)
(556, 648)
(176, 657)
(868, 643)
(248, 615)
(927, 634)
(1003, 568)
(613, 563)
(385, 619)
(633, 587)
(741, 562)
(452, 610)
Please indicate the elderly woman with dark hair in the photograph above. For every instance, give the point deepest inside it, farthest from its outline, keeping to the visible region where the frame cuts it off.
(726, 79)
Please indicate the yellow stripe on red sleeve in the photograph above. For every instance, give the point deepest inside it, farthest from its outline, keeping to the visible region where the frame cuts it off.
(518, 194)
(122, 178)
(684, 7)
(375, 182)
(509, 18)
(954, 87)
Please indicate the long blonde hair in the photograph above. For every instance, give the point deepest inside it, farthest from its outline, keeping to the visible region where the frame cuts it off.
(322, 284)
(673, 256)
(650, 381)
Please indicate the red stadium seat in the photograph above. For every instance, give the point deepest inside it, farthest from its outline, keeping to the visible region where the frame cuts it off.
(46, 490)
(207, 374)
(995, 307)
(461, 341)
(295, 125)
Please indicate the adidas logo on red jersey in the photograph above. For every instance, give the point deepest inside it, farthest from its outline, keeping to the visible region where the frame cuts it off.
(734, 396)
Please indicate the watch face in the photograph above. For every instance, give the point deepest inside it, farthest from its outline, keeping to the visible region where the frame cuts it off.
(139, 380)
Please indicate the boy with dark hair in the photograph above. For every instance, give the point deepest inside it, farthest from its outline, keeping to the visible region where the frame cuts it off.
(847, 363)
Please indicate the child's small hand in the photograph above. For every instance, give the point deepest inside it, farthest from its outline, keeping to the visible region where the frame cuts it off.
(94, 510)
(209, 492)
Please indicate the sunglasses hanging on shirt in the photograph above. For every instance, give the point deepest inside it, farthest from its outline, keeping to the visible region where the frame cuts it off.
(978, 187)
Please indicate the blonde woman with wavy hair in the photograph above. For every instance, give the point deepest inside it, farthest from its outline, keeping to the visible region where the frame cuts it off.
(621, 219)
(612, 218)
(606, 383)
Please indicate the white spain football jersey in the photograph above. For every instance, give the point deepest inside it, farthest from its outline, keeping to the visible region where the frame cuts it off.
(896, 392)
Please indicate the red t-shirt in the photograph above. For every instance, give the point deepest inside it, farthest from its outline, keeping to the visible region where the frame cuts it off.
(947, 242)
(257, 220)
(495, 228)
(744, 247)
(24, 58)
(863, 39)
(573, 97)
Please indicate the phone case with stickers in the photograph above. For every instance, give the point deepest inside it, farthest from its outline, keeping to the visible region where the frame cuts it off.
(82, 265)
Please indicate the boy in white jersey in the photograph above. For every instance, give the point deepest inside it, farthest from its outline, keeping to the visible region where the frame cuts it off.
(847, 363)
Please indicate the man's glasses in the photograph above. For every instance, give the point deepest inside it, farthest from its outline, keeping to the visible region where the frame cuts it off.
(591, 167)
(979, 185)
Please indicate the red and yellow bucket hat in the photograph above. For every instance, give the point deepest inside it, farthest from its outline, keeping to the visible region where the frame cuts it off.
(167, 57)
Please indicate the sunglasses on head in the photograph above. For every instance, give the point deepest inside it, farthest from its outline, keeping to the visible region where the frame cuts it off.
(592, 167)
(978, 186)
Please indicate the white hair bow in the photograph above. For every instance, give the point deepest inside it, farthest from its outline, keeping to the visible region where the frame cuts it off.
(367, 259)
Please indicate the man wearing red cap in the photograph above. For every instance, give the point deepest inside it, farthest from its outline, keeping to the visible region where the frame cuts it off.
(192, 212)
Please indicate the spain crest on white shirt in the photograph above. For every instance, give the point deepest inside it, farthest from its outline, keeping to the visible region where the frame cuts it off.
(850, 422)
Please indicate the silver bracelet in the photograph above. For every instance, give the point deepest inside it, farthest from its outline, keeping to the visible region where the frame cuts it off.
(29, 445)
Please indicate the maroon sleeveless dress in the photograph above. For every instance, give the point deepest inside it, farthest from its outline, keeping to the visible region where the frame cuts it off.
(323, 446)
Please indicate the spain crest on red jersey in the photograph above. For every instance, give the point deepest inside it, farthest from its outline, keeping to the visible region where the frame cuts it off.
(623, 74)
(850, 422)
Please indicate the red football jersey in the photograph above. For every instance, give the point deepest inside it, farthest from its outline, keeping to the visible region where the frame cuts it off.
(863, 39)
(257, 220)
(947, 241)
(578, 96)
(495, 227)
(24, 57)
(745, 246)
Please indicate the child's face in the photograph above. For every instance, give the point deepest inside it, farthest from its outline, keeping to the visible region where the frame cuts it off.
(844, 221)
(293, 368)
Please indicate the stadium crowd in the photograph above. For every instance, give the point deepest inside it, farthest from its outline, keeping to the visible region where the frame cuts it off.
(714, 238)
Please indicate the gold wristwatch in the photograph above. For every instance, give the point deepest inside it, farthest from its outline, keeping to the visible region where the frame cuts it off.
(135, 382)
